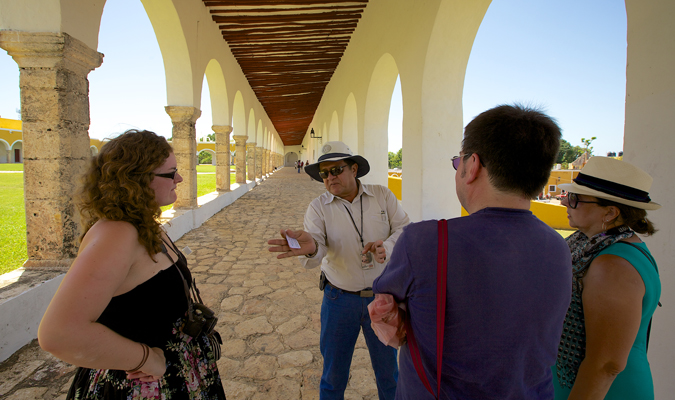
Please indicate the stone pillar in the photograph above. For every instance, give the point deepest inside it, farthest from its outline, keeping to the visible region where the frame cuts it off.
(240, 148)
(266, 161)
(222, 157)
(269, 161)
(250, 161)
(184, 145)
(258, 162)
(55, 113)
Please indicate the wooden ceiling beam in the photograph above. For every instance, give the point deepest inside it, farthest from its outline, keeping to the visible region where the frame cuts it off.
(296, 10)
(249, 3)
(318, 17)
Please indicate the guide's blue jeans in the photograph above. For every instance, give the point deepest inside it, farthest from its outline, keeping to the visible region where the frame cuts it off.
(343, 315)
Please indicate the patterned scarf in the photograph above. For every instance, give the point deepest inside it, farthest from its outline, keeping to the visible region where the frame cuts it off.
(572, 347)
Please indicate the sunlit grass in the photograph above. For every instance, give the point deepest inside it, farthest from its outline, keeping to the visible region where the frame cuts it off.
(11, 167)
(13, 251)
(206, 182)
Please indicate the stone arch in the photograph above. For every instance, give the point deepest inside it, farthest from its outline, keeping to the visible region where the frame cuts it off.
(259, 133)
(213, 155)
(4, 151)
(220, 109)
(238, 115)
(350, 130)
(251, 127)
(376, 118)
(16, 152)
(290, 159)
(334, 131)
(173, 45)
(441, 109)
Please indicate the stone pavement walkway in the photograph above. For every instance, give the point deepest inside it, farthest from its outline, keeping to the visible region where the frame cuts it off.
(268, 308)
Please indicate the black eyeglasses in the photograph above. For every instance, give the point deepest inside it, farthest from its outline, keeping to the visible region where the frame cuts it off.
(169, 175)
(573, 200)
(457, 159)
(335, 171)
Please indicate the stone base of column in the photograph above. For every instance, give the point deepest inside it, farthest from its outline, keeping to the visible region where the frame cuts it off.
(62, 264)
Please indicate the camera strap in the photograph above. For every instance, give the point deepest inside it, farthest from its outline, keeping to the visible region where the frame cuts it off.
(191, 295)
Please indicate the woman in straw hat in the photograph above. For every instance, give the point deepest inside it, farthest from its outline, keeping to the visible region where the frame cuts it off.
(616, 286)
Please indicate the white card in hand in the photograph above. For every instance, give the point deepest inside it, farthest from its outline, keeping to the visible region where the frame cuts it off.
(292, 243)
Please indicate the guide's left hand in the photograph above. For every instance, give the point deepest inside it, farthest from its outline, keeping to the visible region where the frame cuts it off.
(377, 248)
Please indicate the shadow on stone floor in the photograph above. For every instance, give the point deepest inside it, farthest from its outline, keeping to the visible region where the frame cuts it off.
(268, 308)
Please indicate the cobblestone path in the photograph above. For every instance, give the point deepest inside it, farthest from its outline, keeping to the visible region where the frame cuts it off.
(268, 308)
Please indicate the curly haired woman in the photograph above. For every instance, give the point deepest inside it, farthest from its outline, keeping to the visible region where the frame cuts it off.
(121, 308)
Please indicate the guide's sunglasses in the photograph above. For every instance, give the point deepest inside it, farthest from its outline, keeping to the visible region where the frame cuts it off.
(168, 175)
(335, 171)
(573, 200)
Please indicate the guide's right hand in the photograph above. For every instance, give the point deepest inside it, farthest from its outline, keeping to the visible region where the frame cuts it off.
(306, 241)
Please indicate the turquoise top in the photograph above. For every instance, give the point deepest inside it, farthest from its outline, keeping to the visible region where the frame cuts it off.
(634, 382)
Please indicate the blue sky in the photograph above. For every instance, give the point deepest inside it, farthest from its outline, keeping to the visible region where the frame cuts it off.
(567, 57)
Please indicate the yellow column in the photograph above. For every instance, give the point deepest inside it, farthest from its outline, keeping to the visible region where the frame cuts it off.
(250, 161)
(184, 145)
(222, 157)
(258, 162)
(55, 114)
(240, 148)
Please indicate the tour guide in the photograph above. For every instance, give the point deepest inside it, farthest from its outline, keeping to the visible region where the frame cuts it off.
(349, 230)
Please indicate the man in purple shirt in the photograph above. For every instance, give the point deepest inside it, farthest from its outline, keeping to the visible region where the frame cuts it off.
(508, 276)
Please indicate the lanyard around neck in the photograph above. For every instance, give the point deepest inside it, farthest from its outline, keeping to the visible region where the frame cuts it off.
(354, 223)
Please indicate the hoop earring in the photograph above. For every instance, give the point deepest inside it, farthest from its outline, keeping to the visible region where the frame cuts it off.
(603, 225)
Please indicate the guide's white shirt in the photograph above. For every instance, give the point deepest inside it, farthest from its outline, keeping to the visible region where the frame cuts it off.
(327, 220)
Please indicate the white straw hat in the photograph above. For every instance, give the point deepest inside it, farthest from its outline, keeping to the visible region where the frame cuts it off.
(336, 151)
(614, 180)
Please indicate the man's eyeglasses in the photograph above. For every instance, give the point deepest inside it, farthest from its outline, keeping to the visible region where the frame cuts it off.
(457, 159)
(335, 171)
(169, 175)
(573, 200)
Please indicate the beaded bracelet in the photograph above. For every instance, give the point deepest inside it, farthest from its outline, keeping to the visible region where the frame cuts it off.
(146, 353)
(315, 251)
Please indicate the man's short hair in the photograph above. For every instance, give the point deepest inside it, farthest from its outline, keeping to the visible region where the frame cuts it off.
(517, 145)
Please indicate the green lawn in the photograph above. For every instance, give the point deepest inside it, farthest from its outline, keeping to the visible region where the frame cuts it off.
(13, 251)
(11, 167)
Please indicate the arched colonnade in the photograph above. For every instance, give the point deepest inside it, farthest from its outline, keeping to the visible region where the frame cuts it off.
(427, 44)
(55, 47)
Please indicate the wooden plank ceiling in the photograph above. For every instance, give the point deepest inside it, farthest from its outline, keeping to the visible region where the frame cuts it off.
(288, 51)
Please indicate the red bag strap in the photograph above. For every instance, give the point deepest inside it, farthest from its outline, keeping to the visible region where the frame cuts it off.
(441, 286)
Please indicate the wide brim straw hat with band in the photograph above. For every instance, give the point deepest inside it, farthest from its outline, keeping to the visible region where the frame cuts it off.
(336, 151)
(614, 180)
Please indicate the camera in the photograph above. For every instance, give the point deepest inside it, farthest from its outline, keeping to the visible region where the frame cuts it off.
(203, 320)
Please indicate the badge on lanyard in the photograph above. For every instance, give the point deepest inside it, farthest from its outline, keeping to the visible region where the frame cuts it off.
(367, 261)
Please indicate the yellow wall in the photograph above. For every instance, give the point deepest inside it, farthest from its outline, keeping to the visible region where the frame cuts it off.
(552, 215)
(13, 124)
(559, 177)
(395, 184)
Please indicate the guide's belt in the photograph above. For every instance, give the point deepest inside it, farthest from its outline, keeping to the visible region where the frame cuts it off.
(367, 292)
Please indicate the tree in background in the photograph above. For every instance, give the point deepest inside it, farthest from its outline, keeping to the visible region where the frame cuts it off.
(568, 153)
(587, 145)
(396, 159)
(205, 157)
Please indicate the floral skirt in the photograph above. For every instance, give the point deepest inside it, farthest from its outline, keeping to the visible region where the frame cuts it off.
(191, 373)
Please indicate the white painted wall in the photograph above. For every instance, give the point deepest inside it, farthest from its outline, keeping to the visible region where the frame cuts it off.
(649, 143)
